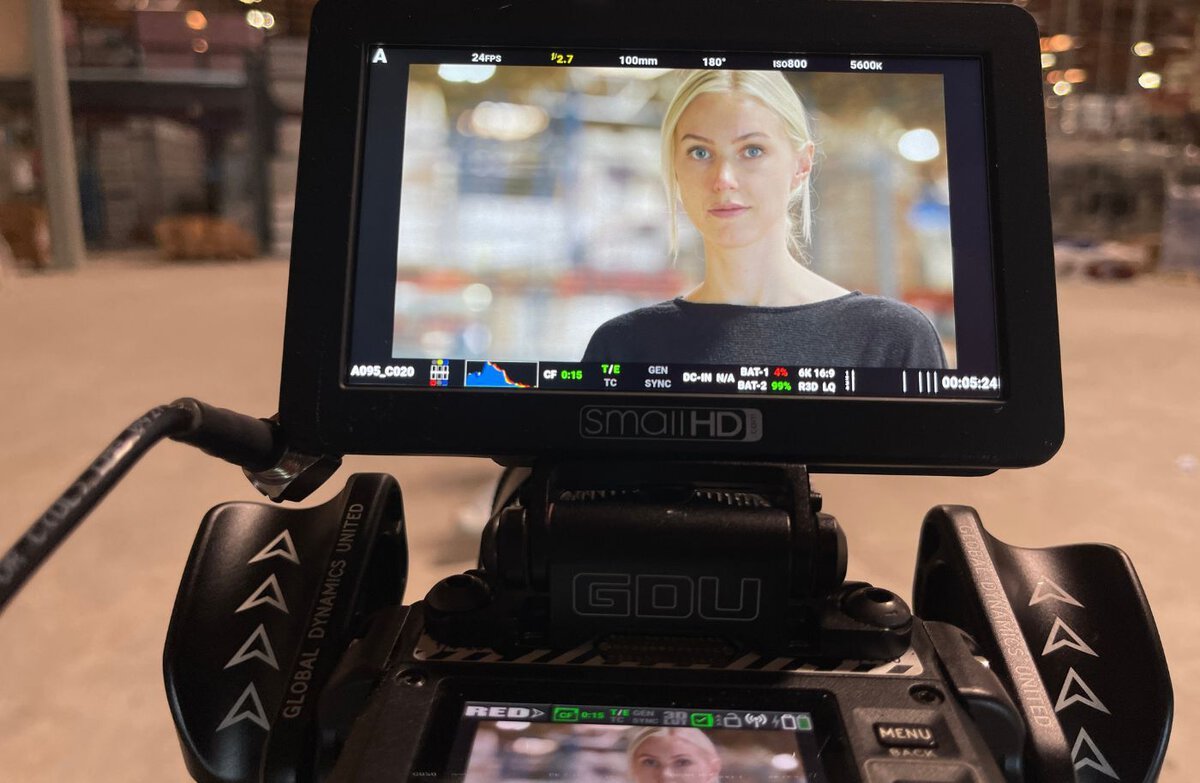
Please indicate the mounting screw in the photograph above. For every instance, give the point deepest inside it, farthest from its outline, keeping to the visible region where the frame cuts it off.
(926, 694)
(413, 677)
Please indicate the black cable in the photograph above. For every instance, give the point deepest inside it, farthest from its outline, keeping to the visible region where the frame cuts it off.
(243, 440)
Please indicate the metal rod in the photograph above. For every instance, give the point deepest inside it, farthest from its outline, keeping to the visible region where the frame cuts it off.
(52, 103)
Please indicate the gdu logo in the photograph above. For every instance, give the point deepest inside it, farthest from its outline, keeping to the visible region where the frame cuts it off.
(666, 596)
(607, 421)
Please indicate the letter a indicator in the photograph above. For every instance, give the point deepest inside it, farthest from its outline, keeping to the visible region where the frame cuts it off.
(379, 57)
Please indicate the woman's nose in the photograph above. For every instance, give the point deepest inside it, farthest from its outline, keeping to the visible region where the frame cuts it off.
(725, 178)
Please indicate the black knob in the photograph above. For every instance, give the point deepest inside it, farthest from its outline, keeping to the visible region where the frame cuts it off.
(878, 607)
(459, 593)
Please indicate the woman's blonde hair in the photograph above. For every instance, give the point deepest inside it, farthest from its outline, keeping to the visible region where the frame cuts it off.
(777, 94)
(694, 737)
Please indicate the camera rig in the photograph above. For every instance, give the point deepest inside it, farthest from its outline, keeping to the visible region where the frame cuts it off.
(683, 576)
(291, 656)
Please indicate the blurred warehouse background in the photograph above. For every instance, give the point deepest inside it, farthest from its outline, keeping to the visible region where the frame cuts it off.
(185, 130)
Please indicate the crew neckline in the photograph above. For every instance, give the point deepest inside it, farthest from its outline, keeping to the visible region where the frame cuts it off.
(685, 303)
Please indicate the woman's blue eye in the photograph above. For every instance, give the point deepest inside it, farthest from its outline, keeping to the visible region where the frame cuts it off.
(755, 152)
(698, 153)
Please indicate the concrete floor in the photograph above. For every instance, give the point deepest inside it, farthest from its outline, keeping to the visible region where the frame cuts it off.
(81, 695)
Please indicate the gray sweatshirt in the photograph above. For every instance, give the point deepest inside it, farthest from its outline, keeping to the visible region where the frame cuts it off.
(854, 330)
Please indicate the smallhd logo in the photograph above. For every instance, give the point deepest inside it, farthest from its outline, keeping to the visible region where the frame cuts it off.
(721, 424)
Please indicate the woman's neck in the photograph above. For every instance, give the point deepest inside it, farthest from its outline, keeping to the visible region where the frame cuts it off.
(763, 274)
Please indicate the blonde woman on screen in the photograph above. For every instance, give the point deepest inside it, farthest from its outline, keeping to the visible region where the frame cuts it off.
(659, 755)
(737, 156)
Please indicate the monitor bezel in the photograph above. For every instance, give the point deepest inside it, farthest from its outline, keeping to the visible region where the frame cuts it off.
(323, 414)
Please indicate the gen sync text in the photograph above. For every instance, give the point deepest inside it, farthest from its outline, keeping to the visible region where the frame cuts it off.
(383, 371)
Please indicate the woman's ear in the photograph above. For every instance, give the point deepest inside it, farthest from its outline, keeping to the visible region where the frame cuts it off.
(804, 163)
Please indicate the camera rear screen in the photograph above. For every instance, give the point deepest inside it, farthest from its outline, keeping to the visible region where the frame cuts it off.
(674, 223)
(631, 745)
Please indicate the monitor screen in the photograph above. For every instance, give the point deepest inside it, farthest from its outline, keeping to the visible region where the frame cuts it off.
(787, 224)
(549, 231)
(566, 742)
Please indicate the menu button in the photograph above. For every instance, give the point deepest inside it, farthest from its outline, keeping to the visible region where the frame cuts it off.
(905, 735)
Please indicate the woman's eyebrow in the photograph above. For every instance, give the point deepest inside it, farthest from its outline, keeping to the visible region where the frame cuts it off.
(743, 137)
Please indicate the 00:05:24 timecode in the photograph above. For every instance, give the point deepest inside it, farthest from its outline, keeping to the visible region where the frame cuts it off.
(973, 382)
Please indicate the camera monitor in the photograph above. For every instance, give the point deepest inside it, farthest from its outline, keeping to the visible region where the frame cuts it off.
(630, 743)
(816, 232)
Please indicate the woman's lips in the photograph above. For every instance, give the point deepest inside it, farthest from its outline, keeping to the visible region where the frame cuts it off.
(727, 210)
